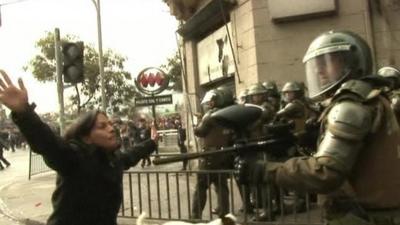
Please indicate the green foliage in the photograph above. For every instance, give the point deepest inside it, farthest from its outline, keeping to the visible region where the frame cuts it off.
(120, 90)
(174, 69)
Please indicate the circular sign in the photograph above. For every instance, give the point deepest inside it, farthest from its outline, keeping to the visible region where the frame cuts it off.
(151, 81)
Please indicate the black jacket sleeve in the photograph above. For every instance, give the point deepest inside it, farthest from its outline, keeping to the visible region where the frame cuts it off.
(57, 153)
(141, 150)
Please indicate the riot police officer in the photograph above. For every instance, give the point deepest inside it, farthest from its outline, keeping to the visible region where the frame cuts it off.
(257, 95)
(393, 76)
(356, 166)
(294, 105)
(253, 195)
(272, 94)
(214, 136)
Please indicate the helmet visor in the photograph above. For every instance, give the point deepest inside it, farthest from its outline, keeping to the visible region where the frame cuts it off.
(208, 97)
(323, 72)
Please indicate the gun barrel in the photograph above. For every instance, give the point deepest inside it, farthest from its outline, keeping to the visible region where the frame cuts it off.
(224, 150)
(193, 155)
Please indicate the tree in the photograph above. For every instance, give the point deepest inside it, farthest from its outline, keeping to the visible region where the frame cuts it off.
(173, 69)
(120, 91)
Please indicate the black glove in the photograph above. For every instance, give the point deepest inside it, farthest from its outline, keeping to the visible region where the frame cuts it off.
(144, 148)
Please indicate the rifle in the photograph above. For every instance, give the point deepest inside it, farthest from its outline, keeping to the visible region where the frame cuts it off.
(279, 138)
(275, 144)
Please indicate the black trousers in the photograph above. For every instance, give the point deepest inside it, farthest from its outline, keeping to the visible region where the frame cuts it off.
(183, 149)
(2, 159)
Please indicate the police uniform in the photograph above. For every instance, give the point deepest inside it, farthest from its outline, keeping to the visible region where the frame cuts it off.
(214, 136)
(392, 75)
(256, 131)
(357, 148)
(357, 163)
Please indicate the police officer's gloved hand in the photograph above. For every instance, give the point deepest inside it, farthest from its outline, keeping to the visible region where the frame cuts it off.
(144, 148)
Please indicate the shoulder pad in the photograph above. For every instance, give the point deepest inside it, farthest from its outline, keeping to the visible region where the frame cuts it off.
(361, 89)
(349, 120)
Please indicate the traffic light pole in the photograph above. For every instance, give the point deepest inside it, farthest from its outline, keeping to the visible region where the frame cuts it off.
(101, 66)
(60, 84)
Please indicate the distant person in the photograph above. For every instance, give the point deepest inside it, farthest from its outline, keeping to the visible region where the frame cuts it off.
(12, 140)
(143, 133)
(154, 135)
(88, 163)
(181, 141)
(2, 159)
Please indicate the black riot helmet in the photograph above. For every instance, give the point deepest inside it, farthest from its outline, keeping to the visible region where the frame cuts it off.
(334, 57)
(226, 95)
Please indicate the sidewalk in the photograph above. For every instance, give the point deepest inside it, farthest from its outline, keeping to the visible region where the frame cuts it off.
(24, 201)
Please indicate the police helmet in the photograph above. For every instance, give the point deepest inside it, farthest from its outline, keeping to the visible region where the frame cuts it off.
(334, 57)
(295, 87)
(211, 95)
(221, 97)
(256, 89)
(226, 95)
(272, 88)
(390, 72)
(292, 86)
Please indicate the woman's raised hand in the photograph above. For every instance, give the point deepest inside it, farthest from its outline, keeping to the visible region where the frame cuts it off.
(16, 99)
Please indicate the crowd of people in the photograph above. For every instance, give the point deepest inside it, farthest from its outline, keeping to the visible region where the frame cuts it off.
(134, 132)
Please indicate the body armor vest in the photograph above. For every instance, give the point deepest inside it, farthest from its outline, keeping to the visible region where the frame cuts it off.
(375, 177)
(215, 137)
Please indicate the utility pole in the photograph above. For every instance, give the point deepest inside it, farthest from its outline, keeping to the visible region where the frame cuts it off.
(101, 66)
(60, 84)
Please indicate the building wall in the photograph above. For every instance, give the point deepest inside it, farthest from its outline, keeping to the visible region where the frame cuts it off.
(386, 31)
(281, 46)
(266, 50)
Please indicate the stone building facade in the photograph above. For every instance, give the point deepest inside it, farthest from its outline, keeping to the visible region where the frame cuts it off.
(241, 42)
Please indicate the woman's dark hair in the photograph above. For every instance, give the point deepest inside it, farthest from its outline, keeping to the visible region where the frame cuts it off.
(82, 126)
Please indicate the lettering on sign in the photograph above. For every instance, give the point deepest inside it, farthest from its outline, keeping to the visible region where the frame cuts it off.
(154, 100)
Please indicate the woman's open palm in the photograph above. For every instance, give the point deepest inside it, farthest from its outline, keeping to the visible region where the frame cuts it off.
(16, 99)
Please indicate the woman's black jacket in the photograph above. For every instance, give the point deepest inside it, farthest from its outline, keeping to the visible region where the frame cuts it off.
(89, 180)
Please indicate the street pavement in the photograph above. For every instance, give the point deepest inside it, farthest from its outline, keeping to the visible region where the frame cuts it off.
(24, 201)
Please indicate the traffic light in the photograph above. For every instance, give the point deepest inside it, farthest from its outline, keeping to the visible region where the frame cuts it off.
(73, 62)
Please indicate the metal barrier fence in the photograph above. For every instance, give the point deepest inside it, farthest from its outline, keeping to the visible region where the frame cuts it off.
(168, 195)
(36, 164)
